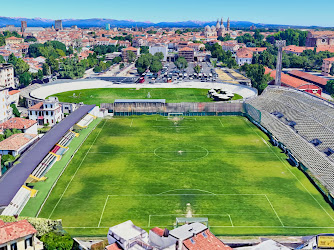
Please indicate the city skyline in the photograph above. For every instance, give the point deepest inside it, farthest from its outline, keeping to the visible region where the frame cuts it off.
(260, 11)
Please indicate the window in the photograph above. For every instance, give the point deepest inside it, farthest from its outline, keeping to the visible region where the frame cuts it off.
(47, 113)
(28, 243)
(192, 240)
(3, 248)
(205, 235)
(13, 246)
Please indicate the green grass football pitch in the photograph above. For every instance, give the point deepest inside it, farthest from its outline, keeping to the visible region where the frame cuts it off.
(104, 95)
(150, 170)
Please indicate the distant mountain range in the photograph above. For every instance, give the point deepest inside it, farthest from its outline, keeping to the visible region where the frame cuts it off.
(101, 22)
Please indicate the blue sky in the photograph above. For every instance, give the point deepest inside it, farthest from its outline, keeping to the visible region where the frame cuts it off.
(294, 12)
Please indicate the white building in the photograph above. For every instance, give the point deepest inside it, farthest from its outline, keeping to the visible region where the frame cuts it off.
(5, 109)
(244, 56)
(6, 76)
(159, 48)
(127, 235)
(47, 112)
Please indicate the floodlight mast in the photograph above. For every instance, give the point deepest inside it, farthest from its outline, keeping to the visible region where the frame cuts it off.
(279, 44)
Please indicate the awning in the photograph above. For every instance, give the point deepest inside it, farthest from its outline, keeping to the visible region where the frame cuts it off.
(40, 118)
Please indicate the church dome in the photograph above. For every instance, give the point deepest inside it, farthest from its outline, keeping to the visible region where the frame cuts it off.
(217, 25)
(213, 28)
(207, 28)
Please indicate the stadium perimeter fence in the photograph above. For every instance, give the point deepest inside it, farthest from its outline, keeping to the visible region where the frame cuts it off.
(186, 108)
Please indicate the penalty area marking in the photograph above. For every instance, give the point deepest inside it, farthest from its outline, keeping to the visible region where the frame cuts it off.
(206, 194)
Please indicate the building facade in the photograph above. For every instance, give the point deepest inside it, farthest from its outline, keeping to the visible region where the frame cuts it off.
(159, 48)
(6, 76)
(14, 40)
(23, 26)
(318, 38)
(187, 53)
(244, 56)
(58, 24)
(6, 111)
(19, 235)
(47, 112)
(327, 64)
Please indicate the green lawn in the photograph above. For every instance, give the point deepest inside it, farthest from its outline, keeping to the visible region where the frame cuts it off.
(151, 170)
(97, 96)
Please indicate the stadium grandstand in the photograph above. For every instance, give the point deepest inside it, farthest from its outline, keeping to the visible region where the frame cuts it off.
(304, 125)
(35, 163)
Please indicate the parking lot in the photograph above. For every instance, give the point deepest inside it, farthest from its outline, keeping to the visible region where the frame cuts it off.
(170, 73)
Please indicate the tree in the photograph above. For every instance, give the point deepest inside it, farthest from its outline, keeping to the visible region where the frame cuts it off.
(53, 63)
(25, 79)
(46, 69)
(16, 112)
(97, 69)
(156, 65)
(121, 66)
(40, 74)
(181, 63)
(57, 241)
(332, 70)
(255, 72)
(131, 56)
(2, 60)
(12, 59)
(144, 49)
(20, 67)
(330, 87)
(197, 68)
(159, 55)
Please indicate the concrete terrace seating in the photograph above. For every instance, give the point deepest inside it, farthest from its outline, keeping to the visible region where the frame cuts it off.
(84, 122)
(44, 166)
(67, 138)
(18, 202)
(314, 119)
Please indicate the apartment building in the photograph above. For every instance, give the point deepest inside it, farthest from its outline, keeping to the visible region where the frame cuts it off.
(6, 111)
(47, 112)
(6, 76)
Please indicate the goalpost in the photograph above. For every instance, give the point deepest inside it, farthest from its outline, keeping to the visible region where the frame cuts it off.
(175, 115)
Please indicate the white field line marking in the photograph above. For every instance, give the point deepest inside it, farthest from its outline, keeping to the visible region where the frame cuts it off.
(187, 190)
(231, 220)
(264, 141)
(274, 211)
(104, 207)
(152, 152)
(288, 168)
(150, 195)
(221, 123)
(61, 173)
(286, 227)
(131, 122)
(77, 169)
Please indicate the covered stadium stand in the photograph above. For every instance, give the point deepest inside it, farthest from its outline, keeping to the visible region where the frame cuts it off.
(304, 123)
(13, 181)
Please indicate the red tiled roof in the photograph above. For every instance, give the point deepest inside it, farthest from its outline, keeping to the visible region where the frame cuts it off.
(16, 141)
(257, 49)
(244, 53)
(286, 79)
(18, 123)
(157, 230)
(36, 106)
(186, 49)
(113, 247)
(309, 77)
(131, 48)
(15, 230)
(13, 92)
(208, 242)
(329, 59)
